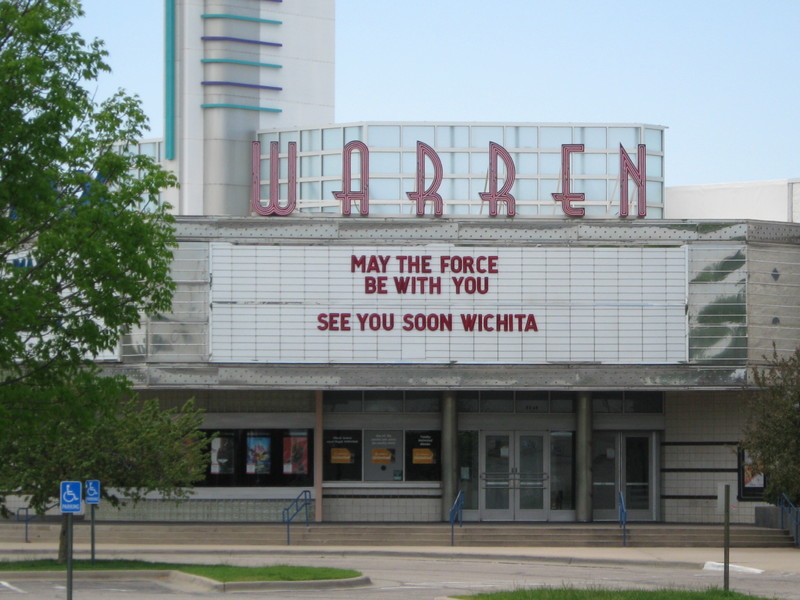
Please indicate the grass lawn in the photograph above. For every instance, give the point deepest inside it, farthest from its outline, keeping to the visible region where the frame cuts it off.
(221, 573)
(600, 594)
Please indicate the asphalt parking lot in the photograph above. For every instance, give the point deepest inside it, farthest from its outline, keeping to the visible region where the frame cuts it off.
(402, 575)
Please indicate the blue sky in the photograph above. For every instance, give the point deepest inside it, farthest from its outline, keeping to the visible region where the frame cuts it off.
(722, 75)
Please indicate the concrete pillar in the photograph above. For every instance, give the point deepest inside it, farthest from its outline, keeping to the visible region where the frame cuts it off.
(583, 459)
(449, 452)
(319, 455)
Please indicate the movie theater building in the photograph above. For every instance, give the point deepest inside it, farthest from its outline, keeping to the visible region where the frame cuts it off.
(388, 313)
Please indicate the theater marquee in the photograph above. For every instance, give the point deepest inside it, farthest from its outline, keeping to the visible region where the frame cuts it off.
(439, 303)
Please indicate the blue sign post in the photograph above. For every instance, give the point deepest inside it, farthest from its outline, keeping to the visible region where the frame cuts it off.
(70, 497)
(93, 492)
(93, 499)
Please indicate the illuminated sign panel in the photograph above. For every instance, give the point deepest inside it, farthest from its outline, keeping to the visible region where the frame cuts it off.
(440, 303)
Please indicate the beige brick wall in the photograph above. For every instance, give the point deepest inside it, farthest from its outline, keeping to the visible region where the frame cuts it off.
(383, 509)
(409, 505)
(699, 456)
(206, 510)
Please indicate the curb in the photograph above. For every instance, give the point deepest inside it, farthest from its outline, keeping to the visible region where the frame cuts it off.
(414, 553)
(187, 580)
(245, 586)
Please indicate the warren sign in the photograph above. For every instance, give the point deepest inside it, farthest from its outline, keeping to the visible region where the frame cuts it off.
(423, 196)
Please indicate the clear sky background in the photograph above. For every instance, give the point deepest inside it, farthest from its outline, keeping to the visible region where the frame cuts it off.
(722, 75)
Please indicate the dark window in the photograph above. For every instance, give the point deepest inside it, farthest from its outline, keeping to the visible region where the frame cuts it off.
(467, 401)
(607, 402)
(383, 401)
(260, 457)
(497, 401)
(343, 401)
(423, 456)
(342, 459)
(424, 401)
(532, 402)
(562, 402)
(384, 455)
(644, 402)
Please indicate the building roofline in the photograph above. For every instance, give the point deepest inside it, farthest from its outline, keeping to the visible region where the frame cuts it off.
(337, 230)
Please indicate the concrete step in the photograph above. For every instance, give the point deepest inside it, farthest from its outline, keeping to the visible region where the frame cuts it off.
(399, 534)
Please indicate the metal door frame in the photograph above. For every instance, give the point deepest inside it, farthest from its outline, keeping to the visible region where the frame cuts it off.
(514, 480)
(620, 478)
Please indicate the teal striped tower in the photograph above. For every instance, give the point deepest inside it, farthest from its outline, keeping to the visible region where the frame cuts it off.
(234, 67)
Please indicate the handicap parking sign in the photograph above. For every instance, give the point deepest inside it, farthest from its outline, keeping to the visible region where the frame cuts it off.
(70, 498)
(93, 491)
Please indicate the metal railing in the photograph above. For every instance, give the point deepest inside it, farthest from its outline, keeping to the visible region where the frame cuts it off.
(28, 518)
(790, 517)
(456, 514)
(623, 519)
(296, 506)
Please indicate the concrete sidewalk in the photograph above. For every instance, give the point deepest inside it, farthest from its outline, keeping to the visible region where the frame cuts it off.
(784, 560)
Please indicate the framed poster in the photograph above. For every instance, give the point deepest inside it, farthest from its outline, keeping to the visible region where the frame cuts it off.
(342, 455)
(222, 455)
(383, 460)
(259, 461)
(423, 456)
(751, 478)
(295, 453)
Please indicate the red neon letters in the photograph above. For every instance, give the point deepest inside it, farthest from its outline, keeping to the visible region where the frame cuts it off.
(422, 195)
(566, 197)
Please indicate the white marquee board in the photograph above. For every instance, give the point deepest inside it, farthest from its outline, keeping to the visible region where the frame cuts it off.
(514, 305)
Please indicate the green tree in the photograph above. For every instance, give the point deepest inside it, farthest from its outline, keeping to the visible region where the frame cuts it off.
(85, 251)
(85, 241)
(133, 447)
(772, 434)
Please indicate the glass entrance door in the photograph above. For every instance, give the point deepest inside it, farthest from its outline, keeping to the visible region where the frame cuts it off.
(623, 463)
(516, 475)
(496, 477)
(531, 478)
